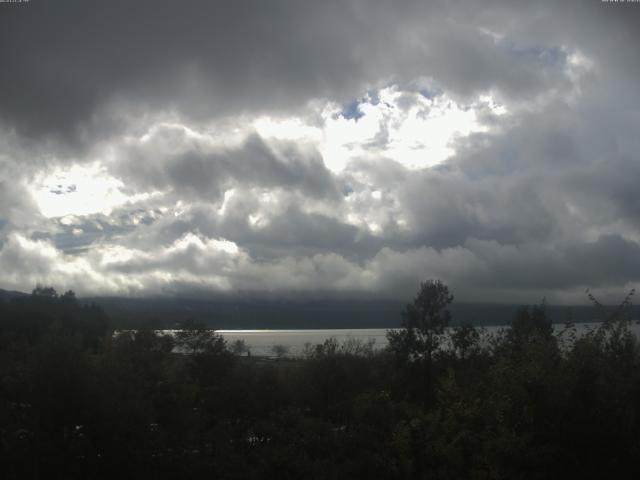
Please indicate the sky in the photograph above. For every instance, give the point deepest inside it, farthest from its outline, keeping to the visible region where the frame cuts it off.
(333, 149)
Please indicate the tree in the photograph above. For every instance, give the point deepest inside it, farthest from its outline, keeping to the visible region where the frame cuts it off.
(464, 340)
(196, 338)
(208, 357)
(530, 322)
(423, 323)
(44, 292)
(239, 347)
(280, 350)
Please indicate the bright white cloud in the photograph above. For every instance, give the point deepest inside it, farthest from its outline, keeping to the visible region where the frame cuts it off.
(80, 190)
(407, 127)
(411, 128)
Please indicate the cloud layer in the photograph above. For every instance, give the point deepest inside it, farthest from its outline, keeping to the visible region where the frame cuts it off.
(346, 148)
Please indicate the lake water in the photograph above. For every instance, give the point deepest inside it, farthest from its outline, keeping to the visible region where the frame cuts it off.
(261, 342)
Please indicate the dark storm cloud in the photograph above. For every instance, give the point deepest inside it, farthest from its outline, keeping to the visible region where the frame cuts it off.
(18, 209)
(290, 232)
(171, 159)
(68, 59)
(608, 190)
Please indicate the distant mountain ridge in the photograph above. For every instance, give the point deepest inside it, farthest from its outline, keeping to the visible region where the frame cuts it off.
(8, 294)
(246, 313)
(235, 313)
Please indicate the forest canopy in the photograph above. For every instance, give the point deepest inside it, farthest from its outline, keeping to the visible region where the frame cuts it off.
(78, 400)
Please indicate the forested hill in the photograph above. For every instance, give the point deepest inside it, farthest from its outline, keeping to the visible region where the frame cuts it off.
(243, 313)
(9, 294)
(270, 314)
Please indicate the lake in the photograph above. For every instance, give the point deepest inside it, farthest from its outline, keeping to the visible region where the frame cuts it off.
(261, 342)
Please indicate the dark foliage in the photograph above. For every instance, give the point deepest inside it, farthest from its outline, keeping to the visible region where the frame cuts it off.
(78, 400)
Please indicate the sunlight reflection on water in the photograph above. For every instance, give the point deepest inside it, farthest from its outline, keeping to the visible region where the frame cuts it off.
(261, 342)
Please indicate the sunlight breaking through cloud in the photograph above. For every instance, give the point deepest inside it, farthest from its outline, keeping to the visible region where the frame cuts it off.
(336, 149)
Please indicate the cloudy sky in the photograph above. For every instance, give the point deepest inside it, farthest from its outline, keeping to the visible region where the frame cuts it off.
(324, 148)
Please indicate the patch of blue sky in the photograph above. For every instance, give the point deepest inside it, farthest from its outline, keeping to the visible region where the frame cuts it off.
(372, 97)
(352, 111)
(429, 93)
(549, 56)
